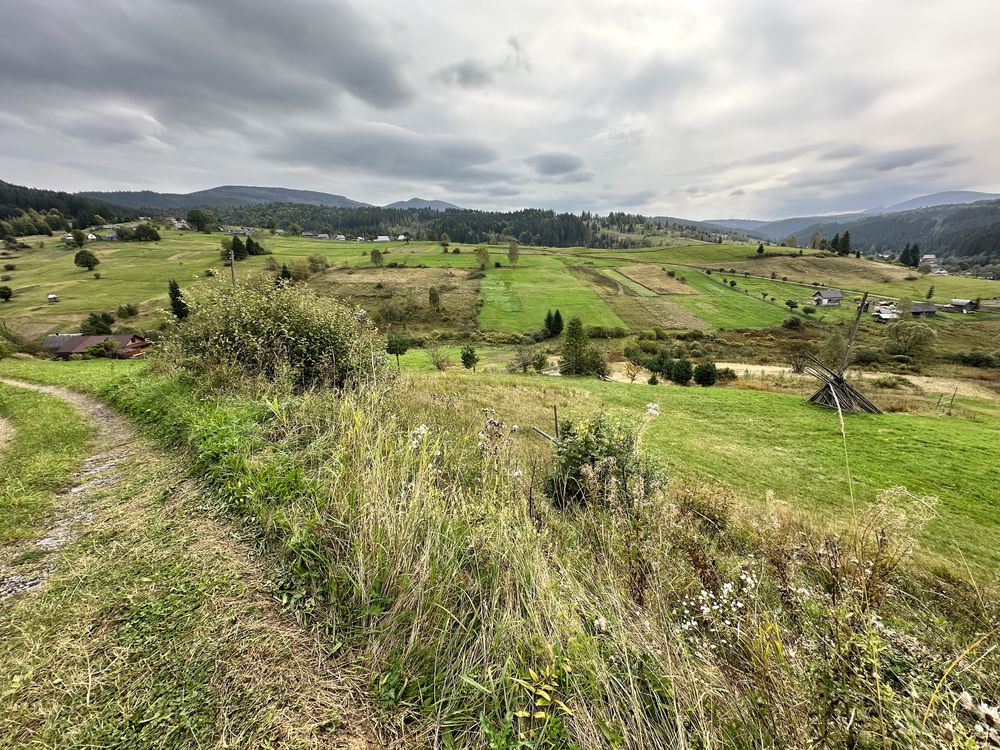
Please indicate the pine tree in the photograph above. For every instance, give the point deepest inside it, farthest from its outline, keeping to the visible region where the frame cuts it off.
(177, 304)
(760, 249)
(469, 358)
(845, 243)
(557, 323)
(548, 324)
(835, 243)
(575, 347)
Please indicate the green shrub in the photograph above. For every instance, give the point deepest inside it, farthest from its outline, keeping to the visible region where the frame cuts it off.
(726, 374)
(974, 358)
(593, 450)
(705, 374)
(793, 323)
(681, 372)
(259, 329)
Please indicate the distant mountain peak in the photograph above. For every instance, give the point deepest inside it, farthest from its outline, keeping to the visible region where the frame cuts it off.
(423, 203)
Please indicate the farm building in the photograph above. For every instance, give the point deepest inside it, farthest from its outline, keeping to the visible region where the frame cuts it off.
(340, 238)
(964, 306)
(884, 314)
(382, 238)
(827, 297)
(923, 309)
(322, 236)
(65, 345)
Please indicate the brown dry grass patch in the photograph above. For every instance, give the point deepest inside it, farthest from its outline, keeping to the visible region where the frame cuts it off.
(655, 278)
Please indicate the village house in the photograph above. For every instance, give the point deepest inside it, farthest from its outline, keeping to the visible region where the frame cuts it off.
(340, 238)
(322, 236)
(382, 238)
(827, 297)
(65, 345)
(884, 313)
(923, 309)
(964, 306)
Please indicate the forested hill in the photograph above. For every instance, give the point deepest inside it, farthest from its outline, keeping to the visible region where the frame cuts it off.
(225, 195)
(17, 200)
(970, 232)
(529, 226)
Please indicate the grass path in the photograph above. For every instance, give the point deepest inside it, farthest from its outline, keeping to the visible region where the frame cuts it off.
(133, 618)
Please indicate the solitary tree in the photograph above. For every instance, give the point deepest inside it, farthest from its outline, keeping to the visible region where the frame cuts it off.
(177, 304)
(815, 240)
(79, 238)
(912, 339)
(792, 304)
(86, 259)
(791, 241)
(397, 344)
(200, 219)
(5, 293)
(513, 253)
(377, 260)
(469, 358)
(482, 257)
(445, 241)
(760, 248)
(434, 298)
(575, 347)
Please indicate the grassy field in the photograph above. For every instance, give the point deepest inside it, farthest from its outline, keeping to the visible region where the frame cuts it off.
(762, 444)
(723, 307)
(49, 440)
(754, 441)
(516, 299)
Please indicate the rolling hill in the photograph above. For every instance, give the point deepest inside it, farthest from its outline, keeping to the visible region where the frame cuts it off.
(423, 203)
(225, 195)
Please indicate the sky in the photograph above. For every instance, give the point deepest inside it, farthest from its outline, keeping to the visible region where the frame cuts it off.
(693, 108)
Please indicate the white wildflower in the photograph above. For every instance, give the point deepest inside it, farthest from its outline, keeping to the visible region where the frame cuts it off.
(653, 409)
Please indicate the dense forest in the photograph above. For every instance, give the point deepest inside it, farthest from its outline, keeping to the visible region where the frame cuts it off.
(25, 210)
(968, 234)
(529, 226)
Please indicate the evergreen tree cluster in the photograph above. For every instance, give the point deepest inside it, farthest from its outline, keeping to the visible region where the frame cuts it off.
(553, 324)
(910, 255)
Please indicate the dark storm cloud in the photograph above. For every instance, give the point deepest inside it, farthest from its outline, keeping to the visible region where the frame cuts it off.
(552, 163)
(390, 151)
(202, 64)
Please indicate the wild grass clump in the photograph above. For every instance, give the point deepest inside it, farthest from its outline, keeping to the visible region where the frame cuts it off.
(263, 329)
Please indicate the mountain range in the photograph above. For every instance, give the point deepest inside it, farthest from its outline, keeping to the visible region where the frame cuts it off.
(778, 230)
(243, 195)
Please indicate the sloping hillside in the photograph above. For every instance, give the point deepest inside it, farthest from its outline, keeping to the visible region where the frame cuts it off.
(225, 195)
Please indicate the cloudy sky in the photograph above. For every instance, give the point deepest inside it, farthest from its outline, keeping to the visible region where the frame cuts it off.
(695, 108)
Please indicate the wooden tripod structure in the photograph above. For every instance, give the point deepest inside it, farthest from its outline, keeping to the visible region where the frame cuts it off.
(836, 392)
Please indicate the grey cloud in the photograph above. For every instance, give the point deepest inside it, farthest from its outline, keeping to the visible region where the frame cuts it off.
(468, 73)
(551, 163)
(906, 157)
(394, 152)
(212, 64)
(843, 151)
(472, 72)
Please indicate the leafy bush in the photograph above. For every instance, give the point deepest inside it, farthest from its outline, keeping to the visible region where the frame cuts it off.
(127, 311)
(596, 449)
(793, 323)
(974, 358)
(9, 267)
(726, 374)
(868, 355)
(97, 324)
(607, 332)
(259, 329)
